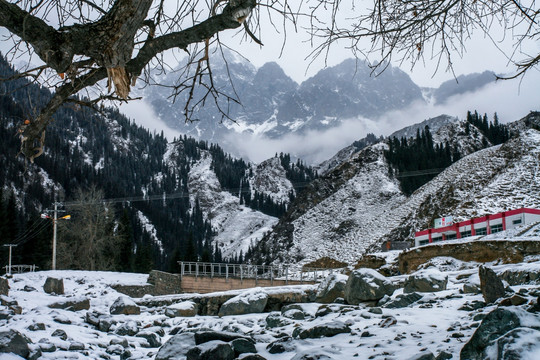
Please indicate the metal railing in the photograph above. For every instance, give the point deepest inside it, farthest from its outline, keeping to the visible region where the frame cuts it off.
(19, 269)
(241, 271)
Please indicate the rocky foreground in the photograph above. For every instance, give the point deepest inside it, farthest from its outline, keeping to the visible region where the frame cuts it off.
(448, 309)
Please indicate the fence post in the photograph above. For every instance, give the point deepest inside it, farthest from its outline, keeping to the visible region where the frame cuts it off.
(227, 272)
(212, 270)
(286, 275)
(196, 269)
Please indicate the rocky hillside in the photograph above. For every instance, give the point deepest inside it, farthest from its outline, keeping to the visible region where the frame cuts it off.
(359, 204)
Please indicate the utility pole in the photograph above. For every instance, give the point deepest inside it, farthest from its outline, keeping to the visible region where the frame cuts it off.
(10, 247)
(55, 220)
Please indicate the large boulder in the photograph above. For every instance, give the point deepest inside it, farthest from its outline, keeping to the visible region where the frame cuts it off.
(498, 325)
(429, 280)
(176, 347)
(491, 285)
(402, 300)
(323, 330)
(249, 302)
(73, 304)
(124, 305)
(213, 350)
(331, 288)
(182, 309)
(367, 285)
(54, 286)
(4, 286)
(207, 336)
(12, 341)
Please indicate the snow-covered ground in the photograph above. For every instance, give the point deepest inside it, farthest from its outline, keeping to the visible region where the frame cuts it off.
(434, 323)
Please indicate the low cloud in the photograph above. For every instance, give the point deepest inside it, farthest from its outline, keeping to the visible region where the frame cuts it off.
(511, 99)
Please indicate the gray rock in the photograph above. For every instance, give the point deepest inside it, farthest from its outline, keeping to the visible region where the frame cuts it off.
(492, 287)
(129, 328)
(294, 314)
(54, 286)
(46, 347)
(74, 304)
(12, 341)
(212, 350)
(124, 306)
(424, 355)
(76, 346)
(7, 301)
(183, 309)
(291, 307)
(520, 277)
(281, 345)
(430, 280)
(402, 300)
(119, 341)
(251, 357)
(249, 302)
(324, 330)
(152, 338)
(274, 319)
(443, 355)
(471, 288)
(36, 327)
(206, 336)
(242, 346)
(105, 324)
(114, 350)
(517, 344)
(331, 288)
(60, 334)
(4, 286)
(367, 285)
(176, 347)
(311, 355)
(29, 288)
(496, 324)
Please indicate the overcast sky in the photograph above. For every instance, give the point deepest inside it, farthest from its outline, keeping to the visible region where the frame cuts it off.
(512, 99)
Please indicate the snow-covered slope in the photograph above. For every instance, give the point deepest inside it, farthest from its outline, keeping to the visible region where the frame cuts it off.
(433, 324)
(237, 227)
(358, 205)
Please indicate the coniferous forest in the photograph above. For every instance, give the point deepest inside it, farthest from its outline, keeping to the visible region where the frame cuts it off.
(89, 149)
(415, 161)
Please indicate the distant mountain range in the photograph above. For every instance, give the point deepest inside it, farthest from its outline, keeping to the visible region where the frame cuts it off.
(273, 105)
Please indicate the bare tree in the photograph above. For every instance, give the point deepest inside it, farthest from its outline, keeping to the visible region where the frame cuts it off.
(90, 240)
(412, 29)
(82, 42)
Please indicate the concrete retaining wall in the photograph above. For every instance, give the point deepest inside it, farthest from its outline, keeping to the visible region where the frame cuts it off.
(204, 285)
(165, 283)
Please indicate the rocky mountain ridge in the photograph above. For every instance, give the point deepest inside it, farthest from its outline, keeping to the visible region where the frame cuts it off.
(273, 105)
(359, 204)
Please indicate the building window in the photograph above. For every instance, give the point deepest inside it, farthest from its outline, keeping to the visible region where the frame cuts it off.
(451, 237)
(423, 242)
(481, 231)
(436, 239)
(465, 233)
(496, 228)
(516, 222)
